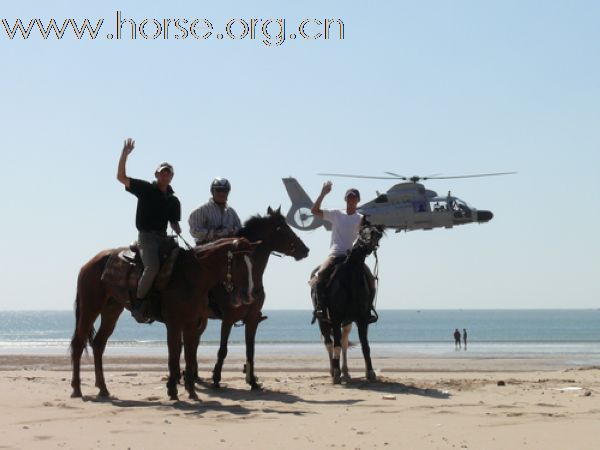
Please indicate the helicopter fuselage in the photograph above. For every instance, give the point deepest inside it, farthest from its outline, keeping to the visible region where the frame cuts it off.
(405, 206)
(409, 206)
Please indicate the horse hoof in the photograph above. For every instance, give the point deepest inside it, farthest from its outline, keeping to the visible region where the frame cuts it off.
(256, 387)
(346, 378)
(216, 385)
(103, 394)
(76, 393)
(174, 397)
(193, 396)
(337, 378)
(371, 375)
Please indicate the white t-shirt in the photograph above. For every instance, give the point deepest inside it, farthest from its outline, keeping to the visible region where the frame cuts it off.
(344, 230)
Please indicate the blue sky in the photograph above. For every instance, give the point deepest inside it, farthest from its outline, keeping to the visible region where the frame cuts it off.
(414, 88)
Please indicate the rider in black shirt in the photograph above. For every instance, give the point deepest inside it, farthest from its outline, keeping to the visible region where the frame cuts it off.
(157, 206)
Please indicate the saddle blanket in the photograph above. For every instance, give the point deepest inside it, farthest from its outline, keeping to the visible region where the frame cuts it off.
(123, 274)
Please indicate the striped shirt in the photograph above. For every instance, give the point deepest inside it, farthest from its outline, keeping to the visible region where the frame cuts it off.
(211, 222)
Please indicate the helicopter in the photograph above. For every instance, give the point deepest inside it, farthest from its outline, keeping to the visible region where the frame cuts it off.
(406, 206)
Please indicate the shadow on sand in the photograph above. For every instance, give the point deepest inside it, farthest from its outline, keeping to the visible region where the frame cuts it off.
(387, 386)
(245, 394)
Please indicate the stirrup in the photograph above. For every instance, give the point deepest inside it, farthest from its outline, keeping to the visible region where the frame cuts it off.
(373, 317)
(139, 312)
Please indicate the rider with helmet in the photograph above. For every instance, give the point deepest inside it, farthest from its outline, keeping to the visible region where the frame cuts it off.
(215, 219)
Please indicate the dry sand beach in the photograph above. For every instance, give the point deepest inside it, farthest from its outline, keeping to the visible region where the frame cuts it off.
(416, 404)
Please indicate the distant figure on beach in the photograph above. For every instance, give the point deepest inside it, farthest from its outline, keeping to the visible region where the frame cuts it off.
(465, 338)
(215, 219)
(456, 339)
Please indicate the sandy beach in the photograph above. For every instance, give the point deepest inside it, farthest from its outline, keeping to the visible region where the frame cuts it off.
(417, 403)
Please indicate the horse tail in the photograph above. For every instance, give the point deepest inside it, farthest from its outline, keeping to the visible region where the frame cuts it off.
(91, 334)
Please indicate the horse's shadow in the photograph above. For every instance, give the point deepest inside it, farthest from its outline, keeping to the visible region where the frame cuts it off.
(387, 386)
(265, 394)
(186, 406)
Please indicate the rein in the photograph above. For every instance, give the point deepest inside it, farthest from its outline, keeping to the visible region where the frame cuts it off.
(228, 283)
(376, 277)
(185, 242)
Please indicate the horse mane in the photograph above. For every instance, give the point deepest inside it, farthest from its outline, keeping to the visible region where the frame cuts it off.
(207, 250)
(251, 225)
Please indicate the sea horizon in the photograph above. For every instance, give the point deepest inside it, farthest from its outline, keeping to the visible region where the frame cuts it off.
(572, 335)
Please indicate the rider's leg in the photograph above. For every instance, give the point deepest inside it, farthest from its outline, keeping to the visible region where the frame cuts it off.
(321, 287)
(148, 244)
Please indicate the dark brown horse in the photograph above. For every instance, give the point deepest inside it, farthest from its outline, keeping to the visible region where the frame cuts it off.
(274, 235)
(183, 303)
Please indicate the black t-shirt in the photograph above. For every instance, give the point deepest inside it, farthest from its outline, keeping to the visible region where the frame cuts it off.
(155, 209)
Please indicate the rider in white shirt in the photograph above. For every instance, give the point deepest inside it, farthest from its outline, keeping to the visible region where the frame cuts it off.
(344, 231)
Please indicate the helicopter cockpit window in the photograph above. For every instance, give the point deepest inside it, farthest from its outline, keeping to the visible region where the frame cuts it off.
(438, 207)
(382, 198)
(460, 205)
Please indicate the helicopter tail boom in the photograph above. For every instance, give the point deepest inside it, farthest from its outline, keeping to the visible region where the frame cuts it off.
(299, 215)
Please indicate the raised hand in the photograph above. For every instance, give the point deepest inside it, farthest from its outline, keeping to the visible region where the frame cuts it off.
(326, 188)
(128, 146)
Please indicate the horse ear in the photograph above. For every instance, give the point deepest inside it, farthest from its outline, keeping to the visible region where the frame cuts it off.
(269, 211)
(278, 210)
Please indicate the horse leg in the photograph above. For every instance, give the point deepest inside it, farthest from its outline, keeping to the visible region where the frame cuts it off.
(337, 337)
(250, 334)
(366, 350)
(201, 329)
(326, 333)
(225, 331)
(174, 344)
(83, 332)
(190, 342)
(345, 342)
(110, 314)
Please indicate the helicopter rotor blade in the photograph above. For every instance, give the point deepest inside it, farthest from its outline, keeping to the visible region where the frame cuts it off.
(469, 176)
(345, 175)
(402, 177)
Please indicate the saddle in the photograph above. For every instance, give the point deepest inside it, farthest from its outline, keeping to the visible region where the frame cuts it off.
(333, 271)
(124, 268)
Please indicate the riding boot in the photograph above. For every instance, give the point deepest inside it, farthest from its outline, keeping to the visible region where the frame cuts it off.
(319, 312)
(139, 311)
(373, 316)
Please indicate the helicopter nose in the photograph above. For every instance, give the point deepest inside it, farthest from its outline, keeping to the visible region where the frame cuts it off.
(484, 216)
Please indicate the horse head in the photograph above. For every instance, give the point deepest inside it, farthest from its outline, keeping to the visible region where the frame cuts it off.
(369, 236)
(275, 234)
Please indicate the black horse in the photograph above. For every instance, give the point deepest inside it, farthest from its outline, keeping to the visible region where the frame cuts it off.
(348, 293)
(272, 234)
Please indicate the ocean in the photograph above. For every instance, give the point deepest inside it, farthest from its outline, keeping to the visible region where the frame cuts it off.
(570, 334)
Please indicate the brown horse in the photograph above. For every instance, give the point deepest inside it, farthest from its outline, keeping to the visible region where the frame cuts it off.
(274, 235)
(183, 303)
